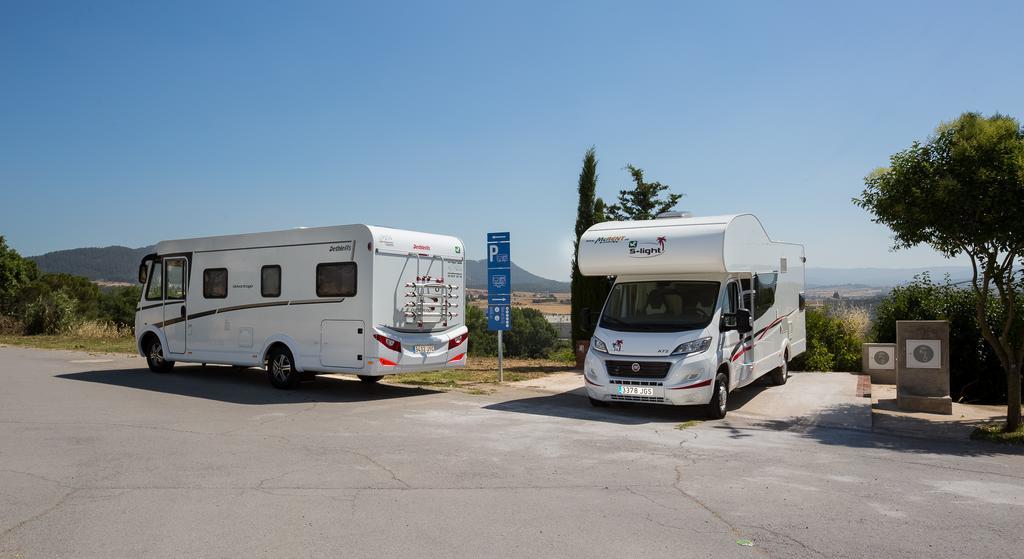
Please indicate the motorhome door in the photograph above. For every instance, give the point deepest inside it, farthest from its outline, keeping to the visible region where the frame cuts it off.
(175, 317)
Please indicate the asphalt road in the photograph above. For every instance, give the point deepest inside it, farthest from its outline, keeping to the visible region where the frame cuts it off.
(105, 459)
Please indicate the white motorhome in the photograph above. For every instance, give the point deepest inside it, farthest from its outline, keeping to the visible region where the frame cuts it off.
(699, 306)
(355, 299)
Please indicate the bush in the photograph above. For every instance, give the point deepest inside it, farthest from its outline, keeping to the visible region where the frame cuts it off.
(531, 334)
(118, 304)
(834, 338)
(10, 326)
(975, 372)
(52, 313)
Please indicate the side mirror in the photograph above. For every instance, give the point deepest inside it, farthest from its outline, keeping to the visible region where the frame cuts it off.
(586, 320)
(743, 325)
(143, 273)
(739, 321)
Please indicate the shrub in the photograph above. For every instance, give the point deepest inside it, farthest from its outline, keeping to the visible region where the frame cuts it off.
(531, 334)
(975, 372)
(834, 338)
(10, 326)
(118, 305)
(52, 313)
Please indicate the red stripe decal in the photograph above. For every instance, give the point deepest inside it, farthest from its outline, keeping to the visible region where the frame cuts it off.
(698, 385)
(589, 381)
(457, 357)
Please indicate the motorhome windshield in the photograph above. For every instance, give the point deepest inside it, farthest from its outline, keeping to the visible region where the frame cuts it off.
(660, 306)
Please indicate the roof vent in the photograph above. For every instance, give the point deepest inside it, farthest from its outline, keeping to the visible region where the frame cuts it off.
(671, 215)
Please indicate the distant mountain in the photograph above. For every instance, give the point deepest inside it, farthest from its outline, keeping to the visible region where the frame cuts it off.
(113, 263)
(880, 277)
(117, 263)
(476, 278)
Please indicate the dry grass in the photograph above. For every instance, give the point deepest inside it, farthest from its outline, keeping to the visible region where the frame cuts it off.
(856, 319)
(995, 432)
(483, 371)
(93, 336)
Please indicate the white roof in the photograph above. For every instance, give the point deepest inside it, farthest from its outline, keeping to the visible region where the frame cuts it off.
(710, 244)
(384, 238)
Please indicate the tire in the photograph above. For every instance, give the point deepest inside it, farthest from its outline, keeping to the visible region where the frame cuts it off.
(281, 369)
(718, 406)
(155, 357)
(598, 403)
(781, 374)
(369, 380)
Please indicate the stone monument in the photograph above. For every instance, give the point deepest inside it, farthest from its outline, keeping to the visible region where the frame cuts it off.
(879, 361)
(922, 366)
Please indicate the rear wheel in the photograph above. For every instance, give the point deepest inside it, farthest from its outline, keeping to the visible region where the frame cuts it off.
(369, 380)
(281, 369)
(781, 375)
(155, 357)
(719, 398)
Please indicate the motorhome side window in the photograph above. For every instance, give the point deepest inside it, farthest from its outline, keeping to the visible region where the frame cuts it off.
(270, 281)
(336, 279)
(215, 283)
(155, 290)
(764, 296)
(175, 278)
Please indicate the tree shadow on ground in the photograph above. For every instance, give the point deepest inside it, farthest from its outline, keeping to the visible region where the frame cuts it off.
(574, 405)
(908, 434)
(244, 386)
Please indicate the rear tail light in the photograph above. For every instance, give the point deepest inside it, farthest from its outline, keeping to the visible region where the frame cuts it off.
(458, 340)
(393, 345)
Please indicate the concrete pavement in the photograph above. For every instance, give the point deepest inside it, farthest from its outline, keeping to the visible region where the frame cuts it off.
(105, 459)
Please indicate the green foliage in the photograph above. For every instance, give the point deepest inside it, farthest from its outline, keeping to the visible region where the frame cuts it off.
(587, 291)
(833, 342)
(960, 193)
(15, 273)
(84, 293)
(531, 334)
(975, 372)
(118, 304)
(52, 313)
(643, 201)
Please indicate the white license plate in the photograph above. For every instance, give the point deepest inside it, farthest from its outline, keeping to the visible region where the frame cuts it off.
(636, 390)
(424, 349)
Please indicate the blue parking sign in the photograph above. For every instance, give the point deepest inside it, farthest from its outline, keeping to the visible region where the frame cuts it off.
(499, 281)
(499, 317)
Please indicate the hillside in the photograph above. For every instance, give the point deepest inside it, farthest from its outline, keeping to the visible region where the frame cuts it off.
(113, 263)
(118, 263)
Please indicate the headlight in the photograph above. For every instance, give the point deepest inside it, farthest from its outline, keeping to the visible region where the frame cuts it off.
(599, 345)
(694, 346)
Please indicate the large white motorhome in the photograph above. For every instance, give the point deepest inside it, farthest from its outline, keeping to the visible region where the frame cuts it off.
(355, 299)
(699, 306)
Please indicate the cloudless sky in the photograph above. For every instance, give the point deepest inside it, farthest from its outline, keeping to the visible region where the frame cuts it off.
(131, 122)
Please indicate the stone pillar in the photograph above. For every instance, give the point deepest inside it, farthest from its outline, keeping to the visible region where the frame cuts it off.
(922, 366)
(879, 361)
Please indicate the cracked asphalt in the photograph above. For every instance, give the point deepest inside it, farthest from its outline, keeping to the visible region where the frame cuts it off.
(101, 458)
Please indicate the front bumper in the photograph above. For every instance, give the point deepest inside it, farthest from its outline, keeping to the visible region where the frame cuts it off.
(671, 390)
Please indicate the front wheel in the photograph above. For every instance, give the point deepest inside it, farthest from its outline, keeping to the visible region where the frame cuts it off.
(155, 357)
(718, 405)
(781, 375)
(281, 369)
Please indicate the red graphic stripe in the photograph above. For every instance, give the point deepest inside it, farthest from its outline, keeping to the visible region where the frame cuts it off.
(697, 385)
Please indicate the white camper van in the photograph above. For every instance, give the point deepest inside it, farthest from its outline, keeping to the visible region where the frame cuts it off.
(699, 306)
(347, 299)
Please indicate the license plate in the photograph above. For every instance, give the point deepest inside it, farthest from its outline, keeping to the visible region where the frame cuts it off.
(636, 390)
(424, 349)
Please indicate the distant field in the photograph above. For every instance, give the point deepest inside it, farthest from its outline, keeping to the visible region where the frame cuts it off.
(547, 303)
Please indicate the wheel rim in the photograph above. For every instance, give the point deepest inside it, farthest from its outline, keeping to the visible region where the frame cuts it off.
(722, 395)
(785, 366)
(156, 353)
(280, 367)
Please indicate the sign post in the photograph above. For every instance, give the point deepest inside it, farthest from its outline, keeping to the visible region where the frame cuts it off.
(499, 290)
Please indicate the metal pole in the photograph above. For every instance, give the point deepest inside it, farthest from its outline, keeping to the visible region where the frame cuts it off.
(501, 370)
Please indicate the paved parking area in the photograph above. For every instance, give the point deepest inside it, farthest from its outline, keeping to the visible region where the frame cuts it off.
(101, 458)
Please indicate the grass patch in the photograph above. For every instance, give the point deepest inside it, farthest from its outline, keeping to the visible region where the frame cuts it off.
(483, 370)
(75, 342)
(993, 432)
(688, 424)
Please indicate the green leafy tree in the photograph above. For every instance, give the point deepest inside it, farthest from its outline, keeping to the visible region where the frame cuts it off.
(961, 192)
(531, 334)
(587, 291)
(118, 304)
(51, 313)
(643, 201)
(15, 273)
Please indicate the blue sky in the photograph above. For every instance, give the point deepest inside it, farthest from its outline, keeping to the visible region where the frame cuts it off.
(130, 122)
